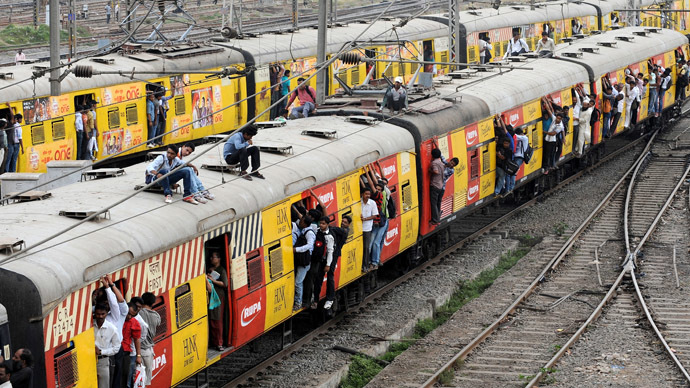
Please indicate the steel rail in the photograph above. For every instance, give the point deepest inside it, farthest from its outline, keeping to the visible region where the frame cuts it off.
(550, 266)
(416, 271)
(628, 267)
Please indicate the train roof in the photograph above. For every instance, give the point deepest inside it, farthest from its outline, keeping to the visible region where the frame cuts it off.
(302, 43)
(179, 58)
(639, 48)
(143, 226)
(519, 15)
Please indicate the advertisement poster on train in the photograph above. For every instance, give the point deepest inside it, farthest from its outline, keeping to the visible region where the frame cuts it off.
(178, 84)
(36, 110)
(122, 93)
(112, 141)
(204, 103)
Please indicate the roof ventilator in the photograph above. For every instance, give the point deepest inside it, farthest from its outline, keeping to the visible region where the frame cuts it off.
(82, 214)
(270, 124)
(640, 33)
(595, 32)
(100, 173)
(607, 44)
(31, 195)
(579, 36)
(462, 74)
(589, 49)
(325, 133)
(626, 38)
(151, 155)
(615, 27)
(367, 120)
(530, 55)
(275, 148)
(6, 75)
(106, 61)
(567, 39)
(572, 55)
(9, 245)
(214, 138)
(653, 30)
(519, 58)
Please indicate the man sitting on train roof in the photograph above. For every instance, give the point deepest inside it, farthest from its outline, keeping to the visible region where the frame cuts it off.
(162, 165)
(546, 46)
(198, 190)
(307, 97)
(395, 98)
(516, 46)
(237, 150)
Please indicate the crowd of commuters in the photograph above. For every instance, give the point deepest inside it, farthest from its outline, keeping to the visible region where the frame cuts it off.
(124, 335)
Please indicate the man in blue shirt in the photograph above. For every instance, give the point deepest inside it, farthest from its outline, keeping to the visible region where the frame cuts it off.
(237, 150)
(151, 119)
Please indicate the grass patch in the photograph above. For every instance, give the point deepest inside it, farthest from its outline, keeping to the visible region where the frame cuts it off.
(14, 35)
(362, 369)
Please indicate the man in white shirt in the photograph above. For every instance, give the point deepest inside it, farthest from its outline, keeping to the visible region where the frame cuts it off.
(584, 132)
(19, 57)
(485, 49)
(618, 104)
(516, 46)
(5, 377)
(395, 98)
(116, 316)
(369, 213)
(79, 127)
(576, 26)
(107, 344)
(632, 94)
(546, 47)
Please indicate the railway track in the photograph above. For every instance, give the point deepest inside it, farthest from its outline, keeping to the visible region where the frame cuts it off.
(583, 276)
(457, 240)
(208, 30)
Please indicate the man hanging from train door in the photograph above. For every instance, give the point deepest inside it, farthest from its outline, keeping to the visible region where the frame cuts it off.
(303, 238)
(436, 186)
(107, 344)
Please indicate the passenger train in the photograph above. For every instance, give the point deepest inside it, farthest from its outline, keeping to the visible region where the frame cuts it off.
(49, 133)
(145, 245)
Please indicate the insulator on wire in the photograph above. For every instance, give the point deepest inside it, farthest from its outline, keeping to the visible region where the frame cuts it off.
(81, 71)
(350, 58)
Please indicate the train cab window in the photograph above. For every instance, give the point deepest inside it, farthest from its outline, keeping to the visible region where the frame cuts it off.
(184, 305)
(406, 195)
(474, 164)
(275, 261)
(180, 106)
(255, 273)
(38, 134)
(162, 310)
(58, 127)
(65, 365)
(113, 118)
(428, 55)
(486, 160)
(132, 114)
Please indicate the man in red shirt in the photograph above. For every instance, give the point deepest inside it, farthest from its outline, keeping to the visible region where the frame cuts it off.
(131, 344)
(307, 97)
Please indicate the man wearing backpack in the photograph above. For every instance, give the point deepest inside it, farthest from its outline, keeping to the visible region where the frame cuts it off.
(303, 238)
(521, 146)
(307, 99)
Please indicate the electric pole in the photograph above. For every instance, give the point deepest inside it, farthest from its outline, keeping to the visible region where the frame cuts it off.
(321, 53)
(454, 31)
(54, 47)
(295, 15)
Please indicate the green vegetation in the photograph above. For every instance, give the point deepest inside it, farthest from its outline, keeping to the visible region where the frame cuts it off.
(362, 370)
(560, 228)
(14, 35)
(446, 377)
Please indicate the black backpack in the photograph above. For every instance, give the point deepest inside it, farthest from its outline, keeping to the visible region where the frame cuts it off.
(527, 155)
(319, 252)
(392, 210)
(595, 117)
(302, 259)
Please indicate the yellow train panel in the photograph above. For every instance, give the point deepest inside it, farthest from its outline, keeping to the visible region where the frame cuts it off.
(190, 346)
(350, 261)
(486, 130)
(121, 119)
(487, 184)
(531, 111)
(282, 252)
(276, 222)
(280, 295)
(84, 344)
(409, 225)
(460, 178)
(348, 189)
(182, 297)
(407, 174)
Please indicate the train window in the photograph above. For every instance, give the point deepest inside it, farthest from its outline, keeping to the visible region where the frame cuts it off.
(65, 365)
(179, 106)
(486, 161)
(162, 310)
(275, 261)
(406, 195)
(535, 135)
(389, 71)
(474, 164)
(132, 114)
(184, 305)
(113, 118)
(354, 77)
(255, 273)
(58, 129)
(38, 135)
